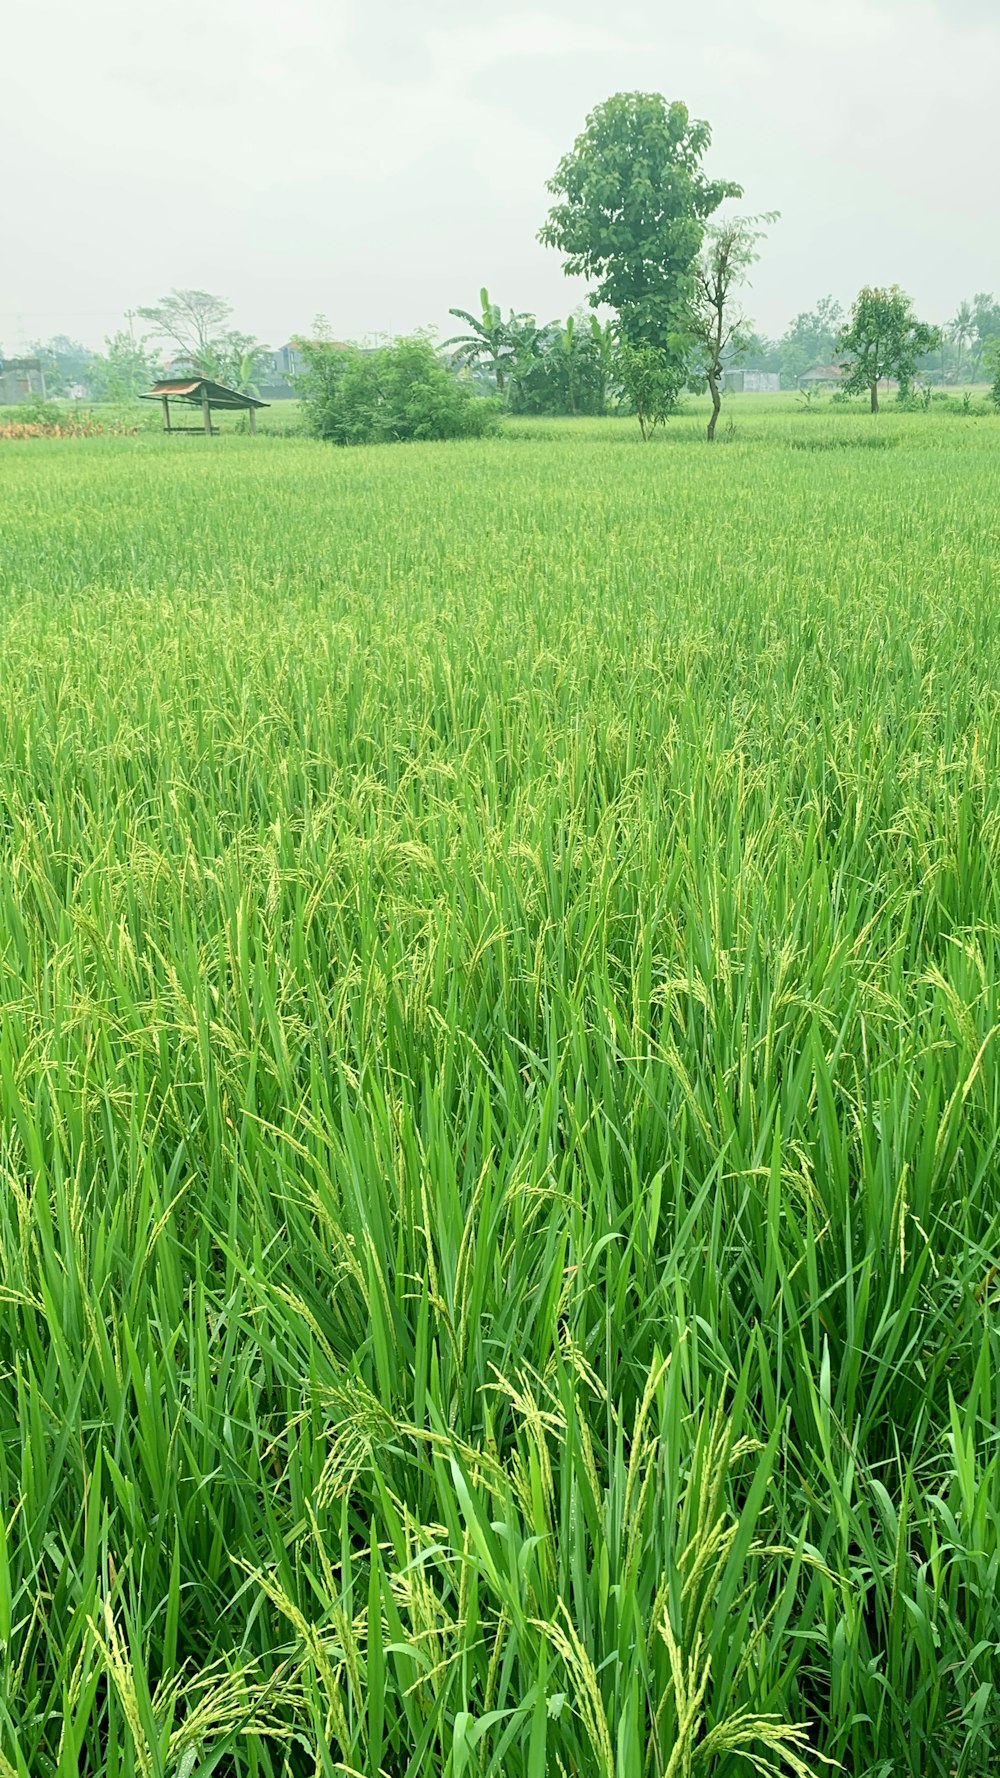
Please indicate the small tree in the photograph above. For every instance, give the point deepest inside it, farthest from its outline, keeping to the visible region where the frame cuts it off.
(717, 326)
(883, 338)
(652, 380)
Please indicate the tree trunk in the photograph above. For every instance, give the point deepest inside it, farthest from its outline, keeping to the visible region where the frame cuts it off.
(716, 406)
(874, 390)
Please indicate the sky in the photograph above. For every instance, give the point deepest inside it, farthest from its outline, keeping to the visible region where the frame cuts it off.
(377, 161)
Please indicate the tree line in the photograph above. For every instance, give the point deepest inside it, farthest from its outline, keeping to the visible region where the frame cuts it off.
(635, 213)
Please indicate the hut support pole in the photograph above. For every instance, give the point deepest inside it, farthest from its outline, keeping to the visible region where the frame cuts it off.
(253, 419)
(206, 411)
(166, 415)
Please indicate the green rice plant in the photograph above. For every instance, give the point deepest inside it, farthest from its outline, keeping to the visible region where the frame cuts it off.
(499, 1104)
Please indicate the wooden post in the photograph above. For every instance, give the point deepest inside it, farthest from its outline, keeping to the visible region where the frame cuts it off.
(253, 419)
(166, 414)
(206, 410)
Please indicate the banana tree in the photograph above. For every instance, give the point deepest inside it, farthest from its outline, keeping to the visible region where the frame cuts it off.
(603, 336)
(491, 342)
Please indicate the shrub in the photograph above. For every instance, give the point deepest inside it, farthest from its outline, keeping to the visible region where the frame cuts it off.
(390, 394)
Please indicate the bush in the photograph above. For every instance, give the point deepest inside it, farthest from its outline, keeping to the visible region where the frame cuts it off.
(390, 394)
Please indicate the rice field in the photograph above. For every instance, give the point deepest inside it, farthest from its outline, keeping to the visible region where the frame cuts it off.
(499, 1104)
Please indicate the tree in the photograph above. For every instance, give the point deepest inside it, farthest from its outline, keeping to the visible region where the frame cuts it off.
(237, 360)
(604, 347)
(389, 394)
(66, 363)
(633, 204)
(562, 367)
(962, 330)
(882, 338)
(812, 336)
(123, 371)
(651, 381)
(717, 326)
(195, 322)
(985, 326)
(491, 342)
(192, 320)
(992, 356)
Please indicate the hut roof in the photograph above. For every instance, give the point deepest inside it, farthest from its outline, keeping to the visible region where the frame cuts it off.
(193, 389)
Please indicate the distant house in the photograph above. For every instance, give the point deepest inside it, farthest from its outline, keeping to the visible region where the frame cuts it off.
(277, 377)
(821, 373)
(753, 382)
(21, 379)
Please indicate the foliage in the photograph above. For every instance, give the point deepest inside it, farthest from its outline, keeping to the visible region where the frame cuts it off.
(124, 370)
(882, 338)
(974, 328)
(492, 342)
(812, 337)
(992, 366)
(550, 368)
(239, 360)
(389, 394)
(52, 423)
(66, 364)
(633, 202)
(194, 321)
(197, 324)
(570, 368)
(499, 1106)
(717, 329)
(652, 379)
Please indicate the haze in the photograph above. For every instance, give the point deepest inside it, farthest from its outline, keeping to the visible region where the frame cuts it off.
(380, 161)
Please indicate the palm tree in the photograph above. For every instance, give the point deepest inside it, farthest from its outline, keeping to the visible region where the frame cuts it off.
(962, 329)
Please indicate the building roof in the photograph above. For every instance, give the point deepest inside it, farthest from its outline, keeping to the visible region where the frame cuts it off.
(822, 373)
(193, 388)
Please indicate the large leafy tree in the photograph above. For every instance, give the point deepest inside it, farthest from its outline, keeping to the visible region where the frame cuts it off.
(632, 204)
(718, 328)
(883, 338)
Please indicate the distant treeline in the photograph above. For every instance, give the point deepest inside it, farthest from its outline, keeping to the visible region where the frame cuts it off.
(549, 367)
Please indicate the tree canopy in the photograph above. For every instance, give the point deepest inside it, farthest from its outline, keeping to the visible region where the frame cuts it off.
(632, 205)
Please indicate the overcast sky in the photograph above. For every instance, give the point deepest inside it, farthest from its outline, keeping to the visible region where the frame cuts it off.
(379, 160)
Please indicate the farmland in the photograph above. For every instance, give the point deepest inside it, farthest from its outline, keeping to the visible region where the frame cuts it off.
(499, 1102)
